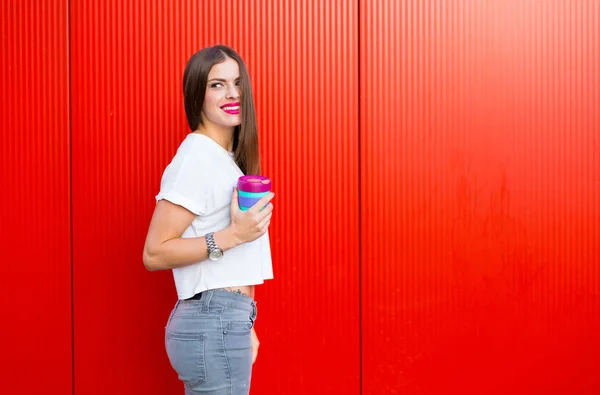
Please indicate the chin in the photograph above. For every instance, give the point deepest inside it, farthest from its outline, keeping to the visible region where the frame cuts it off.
(232, 122)
(226, 121)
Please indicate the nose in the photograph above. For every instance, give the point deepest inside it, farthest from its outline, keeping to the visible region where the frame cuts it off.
(232, 92)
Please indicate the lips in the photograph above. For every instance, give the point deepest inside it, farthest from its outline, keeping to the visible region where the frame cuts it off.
(231, 108)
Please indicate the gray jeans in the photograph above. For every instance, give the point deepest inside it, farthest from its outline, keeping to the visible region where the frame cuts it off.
(208, 342)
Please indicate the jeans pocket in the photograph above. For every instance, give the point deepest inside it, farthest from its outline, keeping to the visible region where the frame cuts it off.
(237, 336)
(186, 355)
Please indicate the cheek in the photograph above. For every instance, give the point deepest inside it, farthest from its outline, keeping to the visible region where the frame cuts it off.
(210, 103)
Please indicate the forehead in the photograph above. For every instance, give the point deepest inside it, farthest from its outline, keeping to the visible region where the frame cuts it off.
(228, 70)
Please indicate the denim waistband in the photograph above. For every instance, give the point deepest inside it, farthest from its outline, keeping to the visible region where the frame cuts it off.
(221, 297)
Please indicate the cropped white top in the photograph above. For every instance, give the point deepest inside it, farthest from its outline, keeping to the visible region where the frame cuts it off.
(201, 178)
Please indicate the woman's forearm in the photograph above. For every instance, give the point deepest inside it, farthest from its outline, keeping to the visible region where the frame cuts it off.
(179, 252)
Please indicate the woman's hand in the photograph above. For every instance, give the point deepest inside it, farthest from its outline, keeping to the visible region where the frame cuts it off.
(249, 225)
(254, 345)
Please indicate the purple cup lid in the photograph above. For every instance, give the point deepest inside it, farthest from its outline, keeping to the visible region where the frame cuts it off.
(251, 183)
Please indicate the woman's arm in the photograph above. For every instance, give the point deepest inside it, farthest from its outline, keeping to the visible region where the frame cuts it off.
(165, 249)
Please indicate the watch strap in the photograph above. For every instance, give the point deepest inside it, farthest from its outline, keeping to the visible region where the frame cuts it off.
(211, 244)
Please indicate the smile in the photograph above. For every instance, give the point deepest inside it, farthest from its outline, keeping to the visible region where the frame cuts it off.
(231, 108)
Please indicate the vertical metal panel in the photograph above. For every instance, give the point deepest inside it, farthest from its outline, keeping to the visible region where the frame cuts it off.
(480, 196)
(128, 118)
(35, 269)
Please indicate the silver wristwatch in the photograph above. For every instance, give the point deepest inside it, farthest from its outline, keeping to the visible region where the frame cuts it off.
(214, 252)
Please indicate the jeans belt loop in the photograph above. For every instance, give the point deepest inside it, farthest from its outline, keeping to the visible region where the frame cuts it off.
(205, 300)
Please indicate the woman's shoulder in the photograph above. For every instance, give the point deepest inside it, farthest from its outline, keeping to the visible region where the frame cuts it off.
(192, 144)
(194, 150)
(190, 167)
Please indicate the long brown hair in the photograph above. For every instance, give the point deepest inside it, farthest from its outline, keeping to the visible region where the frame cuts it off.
(195, 76)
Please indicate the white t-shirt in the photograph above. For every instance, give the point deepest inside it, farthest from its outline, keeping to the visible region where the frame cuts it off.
(201, 178)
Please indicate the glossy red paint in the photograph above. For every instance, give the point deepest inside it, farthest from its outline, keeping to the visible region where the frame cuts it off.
(480, 196)
(128, 118)
(35, 263)
(449, 161)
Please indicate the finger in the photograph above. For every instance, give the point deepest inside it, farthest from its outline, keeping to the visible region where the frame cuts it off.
(265, 211)
(264, 230)
(265, 221)
(254, 353)
(262, 202)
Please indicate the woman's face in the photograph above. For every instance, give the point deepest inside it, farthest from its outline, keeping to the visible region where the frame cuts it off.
(222, 99)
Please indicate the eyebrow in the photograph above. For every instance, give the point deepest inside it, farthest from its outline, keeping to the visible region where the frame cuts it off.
(221, 79)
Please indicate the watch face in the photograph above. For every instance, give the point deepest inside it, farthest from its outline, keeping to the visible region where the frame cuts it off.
(216, 254)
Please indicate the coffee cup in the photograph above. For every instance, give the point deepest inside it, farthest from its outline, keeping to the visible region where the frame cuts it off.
(251, 189)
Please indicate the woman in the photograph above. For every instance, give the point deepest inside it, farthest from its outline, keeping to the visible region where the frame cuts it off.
(217, 252)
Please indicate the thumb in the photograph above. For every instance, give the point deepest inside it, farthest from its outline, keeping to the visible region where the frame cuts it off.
(234, 201)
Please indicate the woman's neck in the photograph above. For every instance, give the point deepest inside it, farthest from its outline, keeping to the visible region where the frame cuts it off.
(222, 136)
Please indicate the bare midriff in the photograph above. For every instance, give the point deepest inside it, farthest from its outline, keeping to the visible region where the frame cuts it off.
(247, 290)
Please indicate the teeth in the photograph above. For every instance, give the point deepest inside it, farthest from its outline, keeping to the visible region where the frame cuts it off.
(231, 108)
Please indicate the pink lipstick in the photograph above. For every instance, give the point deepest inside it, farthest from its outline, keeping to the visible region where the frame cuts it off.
(231, 108)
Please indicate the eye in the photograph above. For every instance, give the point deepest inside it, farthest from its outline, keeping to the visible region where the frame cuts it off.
(238, 83)
(216, 85)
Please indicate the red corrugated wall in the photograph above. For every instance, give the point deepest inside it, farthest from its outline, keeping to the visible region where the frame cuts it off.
(437, 175)
(480, 196)
(128, 119)
(35, 237)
